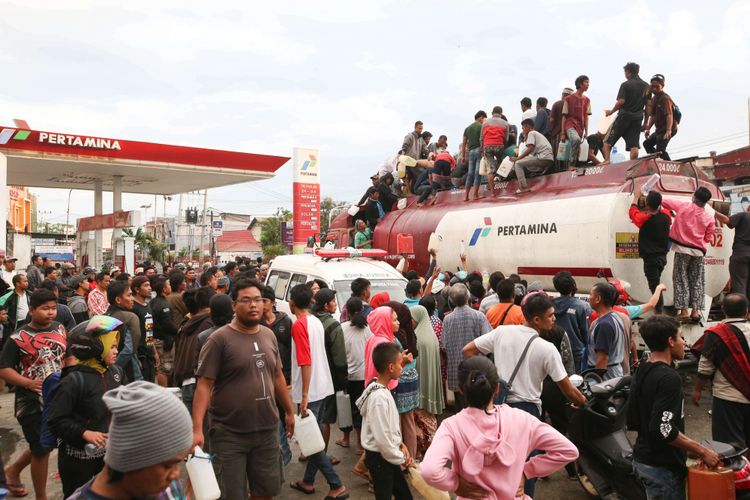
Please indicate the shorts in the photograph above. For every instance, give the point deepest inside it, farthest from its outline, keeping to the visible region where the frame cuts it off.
(627, 127)
(31, 425)
(166, 359)
(494, 155)
(328, 412)
(247, 457)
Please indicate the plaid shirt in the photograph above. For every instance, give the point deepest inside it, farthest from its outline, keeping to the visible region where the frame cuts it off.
(460, 327)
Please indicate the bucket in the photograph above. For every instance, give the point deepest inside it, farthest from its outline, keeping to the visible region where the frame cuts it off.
(202, 476)
(308, 435)
(343, 410)
(710, 484)
(404, 244)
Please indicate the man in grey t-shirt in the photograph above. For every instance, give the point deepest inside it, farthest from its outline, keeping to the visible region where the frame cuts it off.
(536, 158)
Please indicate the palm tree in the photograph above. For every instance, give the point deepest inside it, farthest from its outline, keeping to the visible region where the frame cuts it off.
(143, 240)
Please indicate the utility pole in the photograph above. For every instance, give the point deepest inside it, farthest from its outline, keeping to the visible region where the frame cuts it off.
(203, 223)
(213, 247)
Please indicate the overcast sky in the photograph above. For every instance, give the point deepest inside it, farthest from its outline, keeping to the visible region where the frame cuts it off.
(349, 77)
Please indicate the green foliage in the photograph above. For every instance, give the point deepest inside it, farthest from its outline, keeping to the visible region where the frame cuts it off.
(270, 230)
(328, 205)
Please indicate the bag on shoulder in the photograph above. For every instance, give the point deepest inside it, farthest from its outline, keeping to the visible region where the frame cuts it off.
(507, 387)
(676, 113)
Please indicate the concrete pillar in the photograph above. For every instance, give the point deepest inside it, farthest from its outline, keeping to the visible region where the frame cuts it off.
(116, 204)
(97, 260)
(3, 202)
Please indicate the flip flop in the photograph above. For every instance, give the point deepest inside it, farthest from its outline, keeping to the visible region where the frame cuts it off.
(297, 486)
(341, 443)
(334, 460)
(342, 496)
(17, 489)
(364, 475)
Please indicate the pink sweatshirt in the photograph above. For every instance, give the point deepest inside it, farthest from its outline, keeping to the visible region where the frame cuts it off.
(491, 450)
(693, 226)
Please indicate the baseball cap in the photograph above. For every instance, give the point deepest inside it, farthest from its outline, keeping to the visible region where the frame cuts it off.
(10, 258)
(324, 296)
(567, 91)
(76, 281)
(659, 77)
(223, 281)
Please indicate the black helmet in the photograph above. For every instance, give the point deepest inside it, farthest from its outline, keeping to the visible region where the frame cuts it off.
(83, 342)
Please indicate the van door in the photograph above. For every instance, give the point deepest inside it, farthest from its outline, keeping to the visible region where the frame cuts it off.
(297, 279)
(278, 280)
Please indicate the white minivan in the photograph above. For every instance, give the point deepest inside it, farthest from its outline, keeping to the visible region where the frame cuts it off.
(286, 271)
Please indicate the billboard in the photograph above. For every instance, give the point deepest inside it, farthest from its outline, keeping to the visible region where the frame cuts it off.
(306, 196)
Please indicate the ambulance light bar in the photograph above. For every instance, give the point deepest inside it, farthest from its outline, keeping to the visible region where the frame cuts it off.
(350, 252)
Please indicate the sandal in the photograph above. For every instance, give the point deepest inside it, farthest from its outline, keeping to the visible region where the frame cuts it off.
(334, 460)
(297, 485)
(342, 496)
(363, 474)
(17, 489)
(341, 443)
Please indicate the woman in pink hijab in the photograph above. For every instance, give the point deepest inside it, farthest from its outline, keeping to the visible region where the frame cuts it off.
(383, 322)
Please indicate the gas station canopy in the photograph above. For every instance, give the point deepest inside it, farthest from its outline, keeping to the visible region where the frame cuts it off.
(68, 161)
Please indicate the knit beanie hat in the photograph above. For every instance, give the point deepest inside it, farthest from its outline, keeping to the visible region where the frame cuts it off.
(149, 426)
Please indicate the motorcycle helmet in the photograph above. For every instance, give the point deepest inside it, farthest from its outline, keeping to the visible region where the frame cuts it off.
(83, 341)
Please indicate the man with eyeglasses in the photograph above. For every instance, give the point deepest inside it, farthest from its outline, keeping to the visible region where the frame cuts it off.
(246, 449)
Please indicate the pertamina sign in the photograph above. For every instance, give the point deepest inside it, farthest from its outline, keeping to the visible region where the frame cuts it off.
(306, 196)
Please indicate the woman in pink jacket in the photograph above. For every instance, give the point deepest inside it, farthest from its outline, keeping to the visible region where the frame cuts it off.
(481, 452)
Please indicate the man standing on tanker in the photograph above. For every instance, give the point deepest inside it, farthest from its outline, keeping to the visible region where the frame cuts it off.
(630, 105)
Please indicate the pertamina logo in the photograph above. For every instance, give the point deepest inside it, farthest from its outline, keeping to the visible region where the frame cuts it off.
(7, 133)
(481, 232)
(310, 163)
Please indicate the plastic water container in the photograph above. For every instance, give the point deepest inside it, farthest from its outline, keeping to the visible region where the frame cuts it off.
(353, 210)
(202, 476)
(404, 244)
(563, 151)
(505, 167)
(583, 151)
(308, 435)
(3, 493)
(649, 184)
(462, 248)
(604, 122)
(710, 484)
(343, 410)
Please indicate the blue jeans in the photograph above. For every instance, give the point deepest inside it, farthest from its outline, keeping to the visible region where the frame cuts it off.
(472, 177)
(531, 408)
(320, 460)
(660, 483)
(188, 393)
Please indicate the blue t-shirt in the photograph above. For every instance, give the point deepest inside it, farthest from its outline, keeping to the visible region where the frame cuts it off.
(174, 492)
(608, 336)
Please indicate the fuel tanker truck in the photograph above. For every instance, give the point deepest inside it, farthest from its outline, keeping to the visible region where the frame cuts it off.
(574, 220)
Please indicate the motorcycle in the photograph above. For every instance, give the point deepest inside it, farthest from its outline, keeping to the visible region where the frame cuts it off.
(605, 461)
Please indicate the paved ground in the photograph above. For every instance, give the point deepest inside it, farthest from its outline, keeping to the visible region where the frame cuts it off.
(558, 487)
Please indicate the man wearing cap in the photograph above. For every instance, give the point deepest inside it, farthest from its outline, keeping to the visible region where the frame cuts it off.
(661, 115)
(9, 270)
(142, 461)
(63, 281)
(222, 285)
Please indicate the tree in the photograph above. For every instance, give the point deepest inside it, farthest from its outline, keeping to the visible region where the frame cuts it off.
(143, 240)
(327, 205)
(270, 231)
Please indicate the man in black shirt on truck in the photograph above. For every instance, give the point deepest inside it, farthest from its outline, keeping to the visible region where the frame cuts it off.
(631, 104)
(656, 412)
(653, 224)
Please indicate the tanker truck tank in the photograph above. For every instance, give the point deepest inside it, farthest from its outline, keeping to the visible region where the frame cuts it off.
(576, 221)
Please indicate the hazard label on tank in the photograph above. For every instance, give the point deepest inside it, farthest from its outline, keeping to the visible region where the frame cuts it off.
(626, 246)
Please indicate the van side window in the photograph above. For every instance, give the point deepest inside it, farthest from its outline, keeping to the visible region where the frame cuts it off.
(278, 281)
(297, 279)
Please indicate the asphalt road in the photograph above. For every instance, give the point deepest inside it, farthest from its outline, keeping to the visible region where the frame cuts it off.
(557, 487)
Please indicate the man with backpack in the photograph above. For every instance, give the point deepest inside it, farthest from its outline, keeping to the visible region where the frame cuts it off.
(662, 115)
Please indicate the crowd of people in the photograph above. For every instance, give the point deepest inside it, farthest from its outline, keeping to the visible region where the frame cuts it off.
(68, 337)
(550, 140)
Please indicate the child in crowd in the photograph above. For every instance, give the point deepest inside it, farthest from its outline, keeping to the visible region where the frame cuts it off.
(78, 415)
(481, 452)
(385, 453)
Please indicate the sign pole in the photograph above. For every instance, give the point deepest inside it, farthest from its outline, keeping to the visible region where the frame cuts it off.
(306, 198)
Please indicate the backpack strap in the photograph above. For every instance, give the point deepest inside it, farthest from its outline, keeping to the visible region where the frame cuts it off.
(523, 356)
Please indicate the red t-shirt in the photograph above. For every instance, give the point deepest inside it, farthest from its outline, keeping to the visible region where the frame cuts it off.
(575, 110)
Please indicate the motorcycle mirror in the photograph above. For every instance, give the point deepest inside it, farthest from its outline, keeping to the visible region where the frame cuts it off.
(576, 380)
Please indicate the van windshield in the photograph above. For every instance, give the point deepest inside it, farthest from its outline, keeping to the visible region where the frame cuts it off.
(394, 288)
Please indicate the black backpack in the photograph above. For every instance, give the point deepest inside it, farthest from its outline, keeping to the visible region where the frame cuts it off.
(676, 113)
